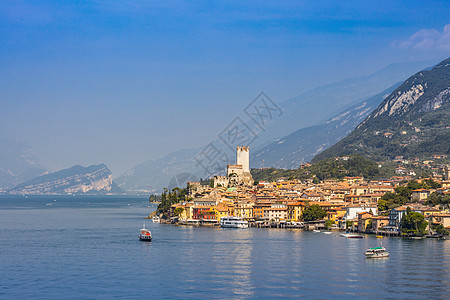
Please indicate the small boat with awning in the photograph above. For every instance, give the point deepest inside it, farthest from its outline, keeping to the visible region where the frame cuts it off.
(376, 252)
(145, 234)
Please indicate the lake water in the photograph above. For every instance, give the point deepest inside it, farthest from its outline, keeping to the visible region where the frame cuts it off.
(87, 247)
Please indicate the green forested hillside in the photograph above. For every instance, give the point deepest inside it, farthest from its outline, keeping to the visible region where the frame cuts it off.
(326, 169)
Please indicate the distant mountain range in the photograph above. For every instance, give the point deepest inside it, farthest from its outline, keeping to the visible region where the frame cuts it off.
(18, 163)
(414, 121)
(302, 145)
(153, 176)
(95, 179)
(349, 101)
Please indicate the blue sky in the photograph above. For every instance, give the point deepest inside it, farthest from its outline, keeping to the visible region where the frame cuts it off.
(121, 82)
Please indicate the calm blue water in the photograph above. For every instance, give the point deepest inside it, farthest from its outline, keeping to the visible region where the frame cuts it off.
(87, 247)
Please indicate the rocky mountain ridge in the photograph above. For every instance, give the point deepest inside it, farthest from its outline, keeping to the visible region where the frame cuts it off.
(413, 121)
(95, 179)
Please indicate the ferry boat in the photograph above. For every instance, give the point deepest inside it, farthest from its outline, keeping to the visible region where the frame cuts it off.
(233, 222)
(145, 234)
(376, 252)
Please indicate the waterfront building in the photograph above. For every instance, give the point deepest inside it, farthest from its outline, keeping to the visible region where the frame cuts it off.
(364, 219)
(221, 211)
(352, 211)
(259, 207)
(295, 211)
(276, 212)
(396, 214)
(244, 210)
(202, 212)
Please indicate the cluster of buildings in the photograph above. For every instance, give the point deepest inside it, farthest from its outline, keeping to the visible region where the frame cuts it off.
(349, 203)
(411, 167)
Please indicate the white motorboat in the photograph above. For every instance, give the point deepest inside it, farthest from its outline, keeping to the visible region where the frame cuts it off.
(352, 235)
(156, 219)
(145, 234)
(376, 252)
(233, 222)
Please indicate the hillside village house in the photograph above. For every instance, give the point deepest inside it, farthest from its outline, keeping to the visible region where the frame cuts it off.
(440, 219)
(420, 195)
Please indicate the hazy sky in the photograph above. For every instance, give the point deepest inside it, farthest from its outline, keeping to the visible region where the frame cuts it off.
(122, 82)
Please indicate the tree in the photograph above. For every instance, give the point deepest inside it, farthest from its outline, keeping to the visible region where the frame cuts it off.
(404, 192)
(441, 230)
(314, 212)
(170, 197)
(414, 222)
(391, 200)
(178, 211)
(414, 185)
(329, 223)
(436, 199)
(430, 184)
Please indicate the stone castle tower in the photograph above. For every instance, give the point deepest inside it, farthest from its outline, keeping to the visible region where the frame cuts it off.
(238, 174)
(242, 158)
(447, 172)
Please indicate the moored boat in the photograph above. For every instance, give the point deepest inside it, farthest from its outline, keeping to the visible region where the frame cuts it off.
(233, 222)
(145, 234)
(376, 252)
(352, 235)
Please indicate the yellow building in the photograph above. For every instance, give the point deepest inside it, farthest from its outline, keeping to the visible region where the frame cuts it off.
(221, 211)
(294, 211)
(336, 213)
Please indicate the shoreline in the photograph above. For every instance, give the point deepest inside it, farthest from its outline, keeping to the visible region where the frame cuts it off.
(303, 227)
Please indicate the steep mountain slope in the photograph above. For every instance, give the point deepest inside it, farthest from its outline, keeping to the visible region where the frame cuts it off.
(413, 121)
(18, 163)
(320, 104)
(302, 145)
(95, 179)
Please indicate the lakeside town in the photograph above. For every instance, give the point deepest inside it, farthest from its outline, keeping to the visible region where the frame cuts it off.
(396, 206)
